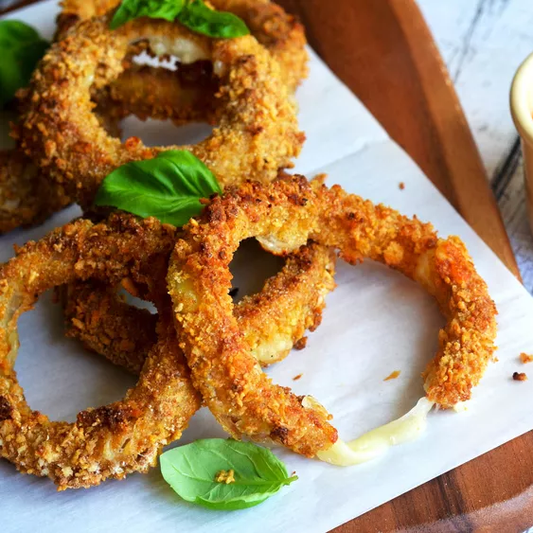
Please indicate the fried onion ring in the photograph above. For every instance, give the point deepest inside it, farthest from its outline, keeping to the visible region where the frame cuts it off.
(26, 196)
(182, 96)
(272, 321)
(119, 438)
(257, 131)
(280, 33)
(283, 216)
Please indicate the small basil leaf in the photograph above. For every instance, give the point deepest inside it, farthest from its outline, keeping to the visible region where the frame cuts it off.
(220, 24)
(22, 48)
(156, 9)
(192, 471)
(168, 187)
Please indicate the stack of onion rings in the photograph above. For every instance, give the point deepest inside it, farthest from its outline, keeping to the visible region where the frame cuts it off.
(200, 347)
(283, 216)
(26, 195)
(274, 320)
(128, 435)
(256, 135)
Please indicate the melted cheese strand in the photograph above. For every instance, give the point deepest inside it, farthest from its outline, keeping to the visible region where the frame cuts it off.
(377, 441)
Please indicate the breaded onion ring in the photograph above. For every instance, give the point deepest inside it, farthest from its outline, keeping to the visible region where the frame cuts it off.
(119, 438)
(257, 131)
(182, 96)
(26, 196)
(283, 216)
(280, 33)
(272, 321)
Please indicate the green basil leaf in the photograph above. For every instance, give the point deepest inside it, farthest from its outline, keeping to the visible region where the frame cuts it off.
(21, 48)
(156, 9)
(168, 187)
(220, 24)
(191, 470)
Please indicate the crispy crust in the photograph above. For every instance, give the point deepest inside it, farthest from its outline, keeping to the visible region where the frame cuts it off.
(126, 436)
(280, 33)
(257, 131)
(26, 196)
(182, 96)
(188, 94)
(273, 320)
(284, 216)
(113, 440)
(107, 324)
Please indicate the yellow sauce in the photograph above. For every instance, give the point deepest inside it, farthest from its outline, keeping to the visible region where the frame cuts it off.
(377, 441)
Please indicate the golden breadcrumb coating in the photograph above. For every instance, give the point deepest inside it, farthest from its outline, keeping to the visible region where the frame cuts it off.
(283, 216)
(272, 320)
(113, 440)
(182, 96)
(127, 436)
(27, 197)
(280, 33)
(256, 135)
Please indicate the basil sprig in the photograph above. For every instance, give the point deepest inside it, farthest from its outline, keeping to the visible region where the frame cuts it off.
(224, 474)
(194, 14)
(21, 49)
(157, 9)
(168, 187)
(219, 24)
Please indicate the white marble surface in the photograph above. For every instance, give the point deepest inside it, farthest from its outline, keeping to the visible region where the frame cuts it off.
(483, 42)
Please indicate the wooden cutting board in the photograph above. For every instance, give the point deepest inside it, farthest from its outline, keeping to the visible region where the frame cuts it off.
(383, 50)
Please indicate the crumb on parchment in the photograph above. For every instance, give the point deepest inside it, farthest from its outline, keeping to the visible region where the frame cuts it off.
(296, 378)
(526, 358)
(393, 375)
(225, 476)
(519, 376)
(401, 185)
(300, 344)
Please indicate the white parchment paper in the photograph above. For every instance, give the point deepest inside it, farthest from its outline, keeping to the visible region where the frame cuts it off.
(375, 322)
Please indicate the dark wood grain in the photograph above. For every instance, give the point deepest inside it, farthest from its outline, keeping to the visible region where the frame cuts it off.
(384, 52)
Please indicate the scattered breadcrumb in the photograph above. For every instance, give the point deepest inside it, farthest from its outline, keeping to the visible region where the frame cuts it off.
(393, 375)
(296, 378)
(519, 376)
(525, 358)
(300, 344)
(225, 477)
(401, 185)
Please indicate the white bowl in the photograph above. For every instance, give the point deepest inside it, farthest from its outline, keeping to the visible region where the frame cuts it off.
(522, 112)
